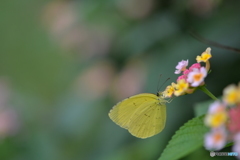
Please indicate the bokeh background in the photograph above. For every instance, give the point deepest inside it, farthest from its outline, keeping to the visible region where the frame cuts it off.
(65, 63)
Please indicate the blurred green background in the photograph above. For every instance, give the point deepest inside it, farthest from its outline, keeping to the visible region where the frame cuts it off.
(64, 64)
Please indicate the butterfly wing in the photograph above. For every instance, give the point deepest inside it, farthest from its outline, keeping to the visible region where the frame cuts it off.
(122, 112)
(148, 120)
(142, 115)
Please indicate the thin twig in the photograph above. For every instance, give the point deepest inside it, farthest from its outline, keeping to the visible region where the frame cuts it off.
(206, 41)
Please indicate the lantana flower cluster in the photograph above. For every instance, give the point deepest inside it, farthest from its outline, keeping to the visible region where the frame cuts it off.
(190, 78)
(223, 118)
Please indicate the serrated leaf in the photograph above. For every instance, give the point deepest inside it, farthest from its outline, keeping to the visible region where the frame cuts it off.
(187, 139)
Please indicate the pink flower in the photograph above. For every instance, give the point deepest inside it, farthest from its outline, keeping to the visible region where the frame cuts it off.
(236, 138)
(195, 65)
(186, 72)
(9, 122)
(181, 66)
(216, 106)
(234, 119)
(216, 139)
(196, 76)
(236, 147)
(217, 115)
(182, 77)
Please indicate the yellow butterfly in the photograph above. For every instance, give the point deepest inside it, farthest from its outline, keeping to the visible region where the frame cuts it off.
(143, 115)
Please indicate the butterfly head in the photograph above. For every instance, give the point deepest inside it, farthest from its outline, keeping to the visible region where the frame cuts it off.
(160, 94)
(162, 98)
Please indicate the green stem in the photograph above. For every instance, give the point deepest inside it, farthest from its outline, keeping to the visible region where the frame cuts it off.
(205, 90)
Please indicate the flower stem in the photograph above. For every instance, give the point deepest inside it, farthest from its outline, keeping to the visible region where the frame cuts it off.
(205, 90)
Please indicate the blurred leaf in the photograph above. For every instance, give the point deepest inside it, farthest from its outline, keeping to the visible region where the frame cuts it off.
(143, 36)
(31, 61)
(229, 144)
(187, 139)
(9, 149)
(202, 108)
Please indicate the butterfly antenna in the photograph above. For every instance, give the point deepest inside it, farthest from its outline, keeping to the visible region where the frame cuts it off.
(159, 82)
(159, 87)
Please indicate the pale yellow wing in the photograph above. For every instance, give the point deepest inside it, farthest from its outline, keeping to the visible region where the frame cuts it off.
(148, 120)
(142, 115)
(122, 112)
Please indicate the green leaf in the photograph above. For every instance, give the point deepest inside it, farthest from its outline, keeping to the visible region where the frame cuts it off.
(229, 144)
(187, 139)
